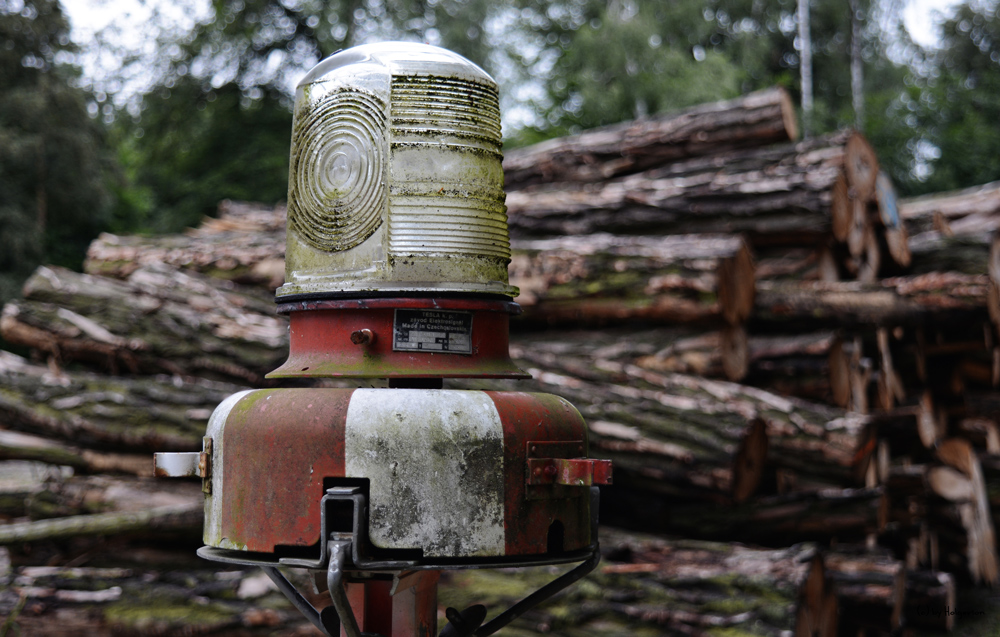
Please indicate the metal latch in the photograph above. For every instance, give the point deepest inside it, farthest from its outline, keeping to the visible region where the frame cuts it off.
(186, 464)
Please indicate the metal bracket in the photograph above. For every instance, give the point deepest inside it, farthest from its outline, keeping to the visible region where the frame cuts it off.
(340, 552)
(187, 464)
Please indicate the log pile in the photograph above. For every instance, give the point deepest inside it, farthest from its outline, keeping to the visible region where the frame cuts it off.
(770, 347)
(158, 320)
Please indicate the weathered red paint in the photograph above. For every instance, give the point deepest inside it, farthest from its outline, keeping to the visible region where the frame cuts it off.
(278, 446)
(321, 343)
(529, 511)
(568, 471)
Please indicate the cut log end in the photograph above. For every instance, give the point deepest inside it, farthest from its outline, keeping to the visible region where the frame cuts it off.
(735, 352)
(861, 166)
(736, 285)
(749, 463)
(840, 374)
(841, 211)
(788, 114)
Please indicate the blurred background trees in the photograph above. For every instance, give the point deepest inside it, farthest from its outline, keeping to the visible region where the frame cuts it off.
(79, 155)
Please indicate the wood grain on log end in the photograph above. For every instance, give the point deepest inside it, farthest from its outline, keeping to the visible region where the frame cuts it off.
(736, 285)
(861, 166)
(735, 352)
(841, 209)
(840, 373)
(788, 114)
(750, 461)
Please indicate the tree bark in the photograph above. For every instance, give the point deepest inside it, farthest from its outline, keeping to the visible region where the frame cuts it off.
(246, 244)
(107, 414)
(930, 598)
(161, 320)
(757, 119)
(938, 298)
(599, 279)
(816, 443)
(674, 587)
(959, 212)
(144, 599)
(777, 195)
(825, 516)
(871, 589)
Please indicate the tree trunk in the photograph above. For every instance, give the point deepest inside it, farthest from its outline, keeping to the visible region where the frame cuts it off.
(705, 419)
(599, 279)
(161, 320)
(145, 599)
(107, 414)
(959, 212)
(830, 515)
(871, 589)
(672, 587)
(805, 65)
(246, 244)
(758, 119)
(777, 195)
(938, 298)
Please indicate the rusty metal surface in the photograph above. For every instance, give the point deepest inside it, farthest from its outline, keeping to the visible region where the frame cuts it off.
(530, 511)
(280, 444)
(446, 469)
(576, 472)
(322, 341)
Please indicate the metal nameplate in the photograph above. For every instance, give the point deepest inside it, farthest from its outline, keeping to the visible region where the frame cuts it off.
(432, 331)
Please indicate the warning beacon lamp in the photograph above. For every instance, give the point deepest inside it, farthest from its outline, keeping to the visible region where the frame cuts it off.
(396, 268)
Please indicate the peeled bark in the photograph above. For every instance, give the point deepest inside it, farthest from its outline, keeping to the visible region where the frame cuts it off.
(757, 119)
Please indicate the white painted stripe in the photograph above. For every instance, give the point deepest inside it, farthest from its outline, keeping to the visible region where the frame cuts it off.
(213, 502)
(435, 462)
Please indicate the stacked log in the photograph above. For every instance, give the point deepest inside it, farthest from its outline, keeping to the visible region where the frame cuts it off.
(673, 587)
(960, 212)
(139, 599)
(753, 120)
(865, 414)
(816, 192)
(245, 244)
(159, 320)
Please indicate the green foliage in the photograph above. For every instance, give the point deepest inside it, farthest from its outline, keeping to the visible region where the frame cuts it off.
(52, 156)
(192, 148)
(216, 122)
(655, 64)
(960, 104)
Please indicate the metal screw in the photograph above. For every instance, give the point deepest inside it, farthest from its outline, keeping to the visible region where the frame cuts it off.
(363, 337)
